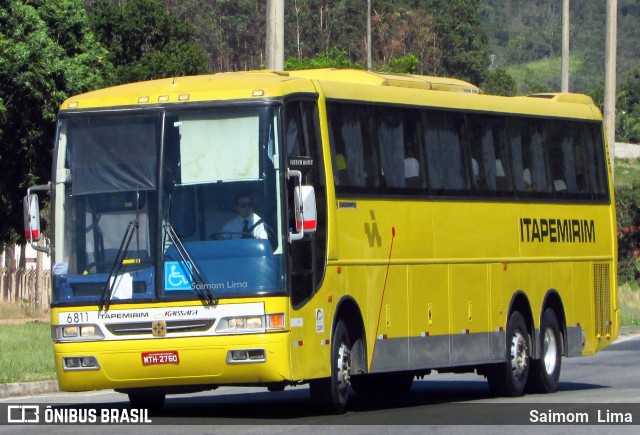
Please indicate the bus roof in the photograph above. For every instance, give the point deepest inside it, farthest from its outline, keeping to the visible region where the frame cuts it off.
(394, 88)
(220, 86)
(388, 79)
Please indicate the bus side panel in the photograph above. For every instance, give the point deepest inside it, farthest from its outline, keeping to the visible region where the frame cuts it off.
(564, 283)
(311, 337)
(503, 284)
(579, 316)
(429, 316)
(392, 323)
(469, 313)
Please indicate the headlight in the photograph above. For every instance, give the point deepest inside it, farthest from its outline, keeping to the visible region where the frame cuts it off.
(238, 324)
(254, 322)
(70, 331)
(87, 331)
(76, 332)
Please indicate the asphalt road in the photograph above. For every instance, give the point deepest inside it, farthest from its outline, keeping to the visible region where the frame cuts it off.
(605, 388)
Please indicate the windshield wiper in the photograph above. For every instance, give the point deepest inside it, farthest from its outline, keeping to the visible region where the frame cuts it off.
(110, 284)
(201, 288)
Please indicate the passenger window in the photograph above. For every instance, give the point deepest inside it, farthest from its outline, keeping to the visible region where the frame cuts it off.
(391, 145)
(529, 158)
(353, 156)
(398, 141)
(567, 159)
(490, 161)
(444, 137)
(596, 161)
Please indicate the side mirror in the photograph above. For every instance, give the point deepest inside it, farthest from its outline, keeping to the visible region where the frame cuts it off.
(304, 202)
(31, 218)
(31, 208)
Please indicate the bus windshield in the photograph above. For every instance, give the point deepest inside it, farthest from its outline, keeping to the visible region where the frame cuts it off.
(168, 205)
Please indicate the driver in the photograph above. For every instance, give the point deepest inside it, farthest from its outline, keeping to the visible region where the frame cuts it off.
(246, 224)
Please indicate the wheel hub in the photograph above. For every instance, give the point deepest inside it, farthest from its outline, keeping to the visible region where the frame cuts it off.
(519, 350)
(344, 366)
(549, 351)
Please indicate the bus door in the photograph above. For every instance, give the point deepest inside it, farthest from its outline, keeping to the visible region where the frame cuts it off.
(306, 256)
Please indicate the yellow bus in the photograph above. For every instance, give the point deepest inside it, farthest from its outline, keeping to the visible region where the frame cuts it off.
(347, 229)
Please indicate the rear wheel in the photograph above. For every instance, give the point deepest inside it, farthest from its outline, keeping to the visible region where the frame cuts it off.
(545, 372)
(332, 392)
(510, 378)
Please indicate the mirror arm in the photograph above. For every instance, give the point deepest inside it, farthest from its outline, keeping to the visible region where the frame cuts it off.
(39, 188)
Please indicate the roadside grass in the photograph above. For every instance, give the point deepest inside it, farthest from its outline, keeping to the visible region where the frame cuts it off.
(627, 172)
(26, 353)
(21, 311)
(629, 301)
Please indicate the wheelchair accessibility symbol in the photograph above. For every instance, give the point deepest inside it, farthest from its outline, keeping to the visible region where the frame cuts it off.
(176, 276)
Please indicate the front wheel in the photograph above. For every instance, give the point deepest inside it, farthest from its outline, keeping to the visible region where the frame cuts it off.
(332, 392)
(510, 378)
(545, 372)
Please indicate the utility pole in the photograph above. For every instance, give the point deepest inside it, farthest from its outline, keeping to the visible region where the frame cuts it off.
(610, 78)
(368, 35)
(565, 46)
(275, 35)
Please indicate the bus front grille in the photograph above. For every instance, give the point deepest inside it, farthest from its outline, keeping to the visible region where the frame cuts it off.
(173, 327)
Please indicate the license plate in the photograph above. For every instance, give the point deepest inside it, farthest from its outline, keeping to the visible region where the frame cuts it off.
(155, 358)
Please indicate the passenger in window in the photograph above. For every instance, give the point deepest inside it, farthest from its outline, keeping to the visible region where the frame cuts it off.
(341, 177)
(247, 224)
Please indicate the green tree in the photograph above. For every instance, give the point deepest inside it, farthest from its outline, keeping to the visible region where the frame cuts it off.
(335, 58)
(230, 33)
(628, 98)
(498, 81)
(144, 41)
(3, 116)
(47, 53)
(628, 105)
(460, 37)
(628, 220)
(405, 64)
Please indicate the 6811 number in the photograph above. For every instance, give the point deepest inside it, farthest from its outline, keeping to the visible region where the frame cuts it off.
(77, 317)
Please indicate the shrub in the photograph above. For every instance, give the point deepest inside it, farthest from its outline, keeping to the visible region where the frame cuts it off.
(628, 216)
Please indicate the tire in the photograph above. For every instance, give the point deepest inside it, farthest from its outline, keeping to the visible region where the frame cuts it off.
(154, 402)
(332, 393)
(510, 377)
(545, 372)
